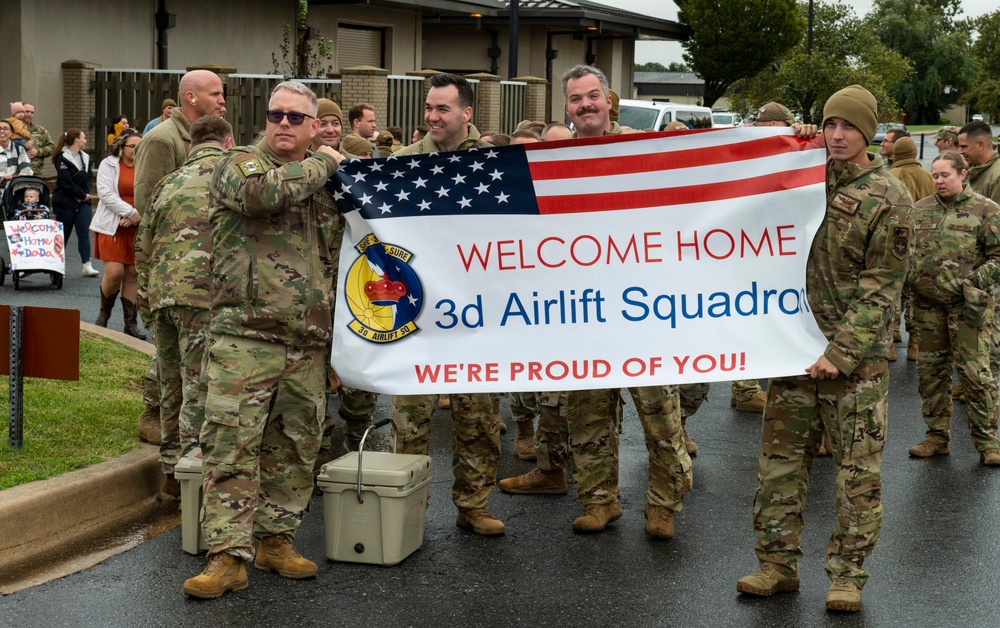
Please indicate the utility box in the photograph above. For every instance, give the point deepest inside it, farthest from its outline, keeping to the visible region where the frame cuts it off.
(377, 518)
(187, 472)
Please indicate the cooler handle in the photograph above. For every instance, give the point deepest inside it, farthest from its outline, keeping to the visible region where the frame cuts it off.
(361, 451)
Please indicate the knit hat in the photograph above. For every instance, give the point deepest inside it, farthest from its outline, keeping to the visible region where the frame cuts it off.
(615, 107)
(905, 148)
(329, 108)
(167, 102)
(355, 145)
(856, 105)
(775, 112)
(384, 138)
(947, 133)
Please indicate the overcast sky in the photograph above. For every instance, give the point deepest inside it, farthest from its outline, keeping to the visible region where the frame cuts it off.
(665, 52)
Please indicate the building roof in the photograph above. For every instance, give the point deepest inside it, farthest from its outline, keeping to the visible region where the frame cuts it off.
(673, 78)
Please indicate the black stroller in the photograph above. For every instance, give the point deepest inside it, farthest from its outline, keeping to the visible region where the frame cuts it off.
(32, 233)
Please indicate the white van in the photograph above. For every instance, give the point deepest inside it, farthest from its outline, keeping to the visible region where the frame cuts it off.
(726, 120)
(646, 114)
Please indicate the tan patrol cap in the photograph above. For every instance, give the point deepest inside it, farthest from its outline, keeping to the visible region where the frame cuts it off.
(775, 112)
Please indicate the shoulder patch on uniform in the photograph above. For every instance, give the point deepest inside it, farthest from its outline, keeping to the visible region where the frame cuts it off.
(248, 164)
(900, 235)
(845, 203)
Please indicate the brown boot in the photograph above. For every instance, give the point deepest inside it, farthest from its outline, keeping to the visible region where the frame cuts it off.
(892, 353)
(107, 305)
(659, 522)
(131, 323)
(277, 553)
(149, 425)
(496, 413)
(596, 517)
(767, 581)
(224, 572)
(171, 489)
(536, 482)
(930, 446)
(754, 404)
(958, 393)
(990, 457)
(912, 349)
(444, 402)
(524, 443)
(479, 521)
(844, 595)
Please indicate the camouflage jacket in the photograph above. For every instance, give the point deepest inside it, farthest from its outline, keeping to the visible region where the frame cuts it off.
(918, 181)
(160, 152)
(427, 145)
(953, 242)
(985, 179)
(173, 246)
(274, 247)
(44, 146)
(858, 261)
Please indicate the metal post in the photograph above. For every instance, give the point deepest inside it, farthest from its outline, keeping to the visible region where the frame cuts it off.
(16, 377)
(512, 53)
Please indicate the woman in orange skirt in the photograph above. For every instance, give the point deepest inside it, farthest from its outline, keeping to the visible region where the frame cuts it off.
(114, 226)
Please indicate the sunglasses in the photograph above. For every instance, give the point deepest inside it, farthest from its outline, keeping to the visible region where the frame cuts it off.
(294, 117)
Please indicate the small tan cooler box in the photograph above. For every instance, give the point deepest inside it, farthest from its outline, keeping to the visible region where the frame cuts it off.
(386, 524)
(187, 472)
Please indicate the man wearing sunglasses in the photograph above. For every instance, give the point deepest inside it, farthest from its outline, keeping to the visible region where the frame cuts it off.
(274, 247)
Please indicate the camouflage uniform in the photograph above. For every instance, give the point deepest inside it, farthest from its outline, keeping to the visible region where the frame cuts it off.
(692, 396)
(956, 268)
(44, 146)
(745, 389)
(173, 255)
(985, 180)
(854, 274)
(274, 253)
(476, 445)
(920, 183)
(524, 407)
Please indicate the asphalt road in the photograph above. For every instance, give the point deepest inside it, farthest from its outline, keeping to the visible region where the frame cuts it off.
(935, 565)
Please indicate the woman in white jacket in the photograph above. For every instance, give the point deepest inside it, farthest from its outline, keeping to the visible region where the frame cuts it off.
(114, 226)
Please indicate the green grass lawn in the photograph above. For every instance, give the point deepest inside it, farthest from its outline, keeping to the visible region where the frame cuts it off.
(71, 425)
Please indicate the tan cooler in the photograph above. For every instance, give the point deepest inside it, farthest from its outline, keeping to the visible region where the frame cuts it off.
(387, 525)
(187, 471)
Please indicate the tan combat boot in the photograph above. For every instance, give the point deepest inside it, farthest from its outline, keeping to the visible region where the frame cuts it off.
(277, 553)
(496, 413)
(754, 404)
(224, 572)
(659, 522)
(912, 350)
(536, 482)
(149, 425)
(930, 446)
(479, 521)
(596, 517)
(767, 581)
(844, 595)
(524, 443)
(171, 489)
(444, 402)
(990, 457)
(892, 353)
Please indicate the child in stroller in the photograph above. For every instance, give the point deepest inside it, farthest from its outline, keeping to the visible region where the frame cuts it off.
(30, 207)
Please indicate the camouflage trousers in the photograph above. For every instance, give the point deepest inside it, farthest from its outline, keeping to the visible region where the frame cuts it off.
(995, 344)
(853, 412)
(590, 420)
(179, 333)
(692, 396)
(523, 407)
(151, 385)
(356, 409)
(475, 440)
(263, 420)
(948, 341)
(744, 389)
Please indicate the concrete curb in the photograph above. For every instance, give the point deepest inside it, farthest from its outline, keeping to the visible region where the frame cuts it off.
(79, 508)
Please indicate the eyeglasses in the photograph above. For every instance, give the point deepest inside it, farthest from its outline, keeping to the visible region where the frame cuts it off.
(132, 145)
(295, 118)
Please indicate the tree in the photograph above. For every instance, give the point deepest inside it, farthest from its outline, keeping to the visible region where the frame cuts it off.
(844, 52)
(735, 39)
(677, 66)
(303, 53)
(985, 96)
(652, 66)
(927, 33)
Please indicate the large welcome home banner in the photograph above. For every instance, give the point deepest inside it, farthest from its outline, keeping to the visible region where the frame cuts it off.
(618, 261)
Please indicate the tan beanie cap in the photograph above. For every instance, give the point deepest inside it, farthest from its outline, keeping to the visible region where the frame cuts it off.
(775, 112)
(905, 148)
(856, 105)
(354, 145)
(329, 108)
